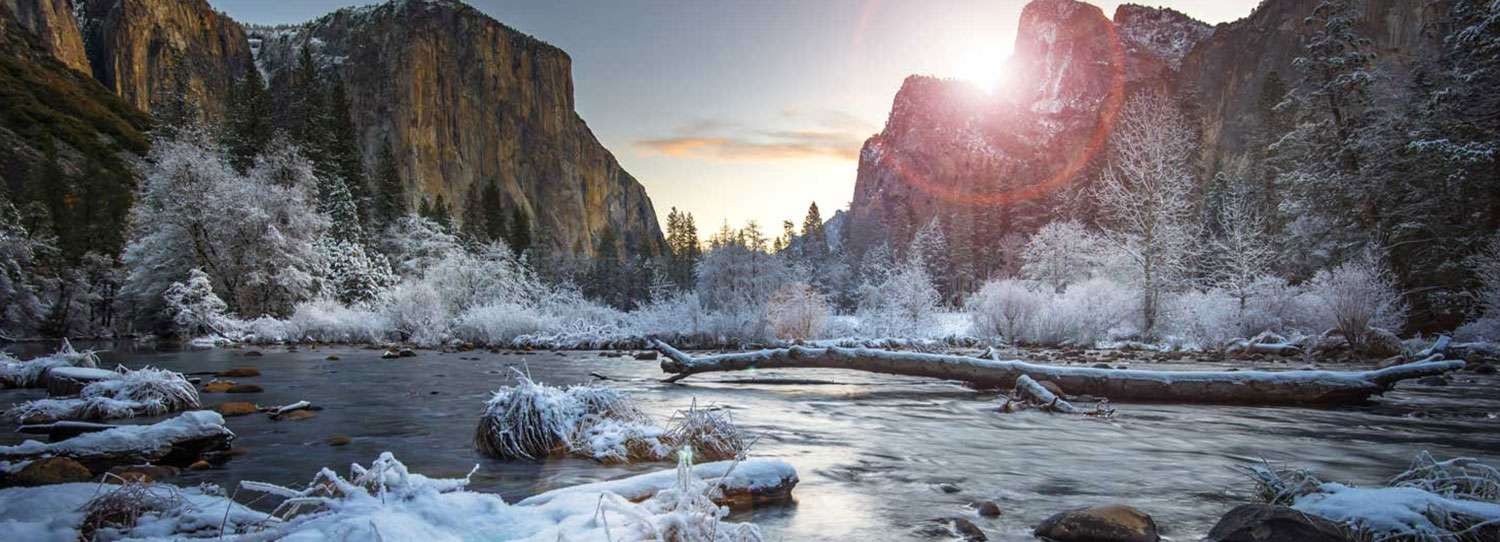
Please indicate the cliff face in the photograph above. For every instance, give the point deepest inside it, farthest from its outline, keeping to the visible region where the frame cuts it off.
(157, 53)
(1226, 74)
(1006, 159)
(997, 163)
(465, 100)
(54, 26)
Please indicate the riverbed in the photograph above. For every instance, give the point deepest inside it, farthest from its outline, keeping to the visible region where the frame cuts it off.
(878, 456)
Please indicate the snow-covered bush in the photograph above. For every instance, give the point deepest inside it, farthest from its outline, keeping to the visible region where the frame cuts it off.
(491, 274)
(673, 317)
(900, 305)
(22, 309)
(1486, 268)
(194, 308)
(1061, 253)
(417, 314)
(1355, 297)
(1084, 314)
(709, 433)
(327, 320)
(1207, 319)
(499, 323)
(797, 312)
(1006, 308)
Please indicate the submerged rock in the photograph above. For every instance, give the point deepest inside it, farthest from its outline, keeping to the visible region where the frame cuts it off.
(339, 440)
(1111, 523)
(218, 386)
(236, 408)
(960, 528)
(988, 509)
(296, 415)
(52, 470)
(407, 353)
(1271, 523)
(239, 372)
(245, 388)
(140, 473)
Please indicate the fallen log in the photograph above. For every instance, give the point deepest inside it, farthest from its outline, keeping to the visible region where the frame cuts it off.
(1043, 397)
(63, 430)
(1228, 387)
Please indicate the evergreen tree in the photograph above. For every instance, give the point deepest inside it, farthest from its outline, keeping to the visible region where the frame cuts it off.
(814, 238)
(519, 236)
(247, 124)
(390, 200)
(344, 150)
(683, 247)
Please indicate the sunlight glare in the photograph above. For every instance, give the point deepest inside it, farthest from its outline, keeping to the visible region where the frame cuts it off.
(982, 66)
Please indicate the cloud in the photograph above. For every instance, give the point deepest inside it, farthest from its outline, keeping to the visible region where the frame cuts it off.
(834, 135)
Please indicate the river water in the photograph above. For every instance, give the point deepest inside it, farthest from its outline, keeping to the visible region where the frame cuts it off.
(878, 455)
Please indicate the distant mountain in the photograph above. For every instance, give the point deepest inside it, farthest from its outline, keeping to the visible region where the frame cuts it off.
(460, 98)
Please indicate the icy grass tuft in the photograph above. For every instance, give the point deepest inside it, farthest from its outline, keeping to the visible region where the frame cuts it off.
(1457, 500)
(32, 373)
(144, 392)
(533, 421)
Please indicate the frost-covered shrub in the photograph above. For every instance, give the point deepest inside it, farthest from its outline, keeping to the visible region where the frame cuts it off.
(194, 308)
(32, 373)
(1486, 268)
(488, 275)
(145, 392)
(1061, 253)
(326, 320)
(1207, 319)
(414, 244)
(797, 312)
(354, 275)
(709, 433)
(1084, 314)
(680, 315)
(1006, 308)
(534, 421)
(900, 305)
(417, 314)
(1355, 297)
(498, 324)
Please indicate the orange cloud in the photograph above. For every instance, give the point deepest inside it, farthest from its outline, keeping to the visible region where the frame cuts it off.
(761, 145)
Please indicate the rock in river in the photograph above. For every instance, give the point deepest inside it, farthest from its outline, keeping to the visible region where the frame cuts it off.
(52, 470)
(1112, 523)
(1271, 523)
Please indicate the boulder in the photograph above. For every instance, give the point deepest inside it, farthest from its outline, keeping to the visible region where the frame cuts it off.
(239, 372)
(1111, 523)
(956, 527)
(407, 353)
(1271, 523)
(645, 356)
(236, 408)
(140, 473)
(988, 509)
(200, 465)
(389, 354)
(52, 470)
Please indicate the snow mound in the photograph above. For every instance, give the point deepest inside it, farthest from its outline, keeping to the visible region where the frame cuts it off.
(193, 425)
(144, 392)
(32, 373)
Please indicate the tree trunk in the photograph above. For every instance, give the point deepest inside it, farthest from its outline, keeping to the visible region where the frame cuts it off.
(1227, 387)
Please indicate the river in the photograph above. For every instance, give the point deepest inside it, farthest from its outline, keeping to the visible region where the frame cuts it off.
(878, 455)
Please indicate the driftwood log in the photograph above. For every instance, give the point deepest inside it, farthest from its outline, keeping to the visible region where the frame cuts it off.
(1226, 387)
(1036, 393)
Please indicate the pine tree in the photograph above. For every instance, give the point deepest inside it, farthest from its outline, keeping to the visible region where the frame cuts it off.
(683, 247)
(475, 216)
(308, 113)
(390, 199)
(519, 236)
(344, 150)
(814, 238)
(248, 124)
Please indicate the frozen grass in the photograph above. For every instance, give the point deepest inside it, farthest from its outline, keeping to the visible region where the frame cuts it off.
(686, 512)
(120, 510)
(710, 433)
(533, 421)
(1457, 500)
(145, 392)
(32, 373)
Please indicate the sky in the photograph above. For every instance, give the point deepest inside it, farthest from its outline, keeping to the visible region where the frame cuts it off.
(752, 109)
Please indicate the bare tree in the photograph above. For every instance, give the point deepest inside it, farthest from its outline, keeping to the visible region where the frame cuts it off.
(1144, 196)
(1242, 250)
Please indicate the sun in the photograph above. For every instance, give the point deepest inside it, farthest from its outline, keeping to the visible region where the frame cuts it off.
(984, 67)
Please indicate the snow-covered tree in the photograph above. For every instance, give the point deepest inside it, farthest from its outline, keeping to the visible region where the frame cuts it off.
(488, 275)
(253, 235)
(21, 309)
(1059, 254)
(1241, 252)
(1145, 198)
(194, 308)
(414, 243)
(902, 303)
(797, 312)
(737, 276)
(355, 276)
(930, 245)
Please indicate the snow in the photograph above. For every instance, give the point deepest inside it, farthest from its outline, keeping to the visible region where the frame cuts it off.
(30, 373)
(147, 391)
(747, 475)
(186, 426)
(54, 513)
(1391, 510)
(84, 373)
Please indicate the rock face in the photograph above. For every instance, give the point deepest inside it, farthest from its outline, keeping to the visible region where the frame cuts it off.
(997, 164)
(1006, 164)
(465, 100)
(151, 52)
(53, 23)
